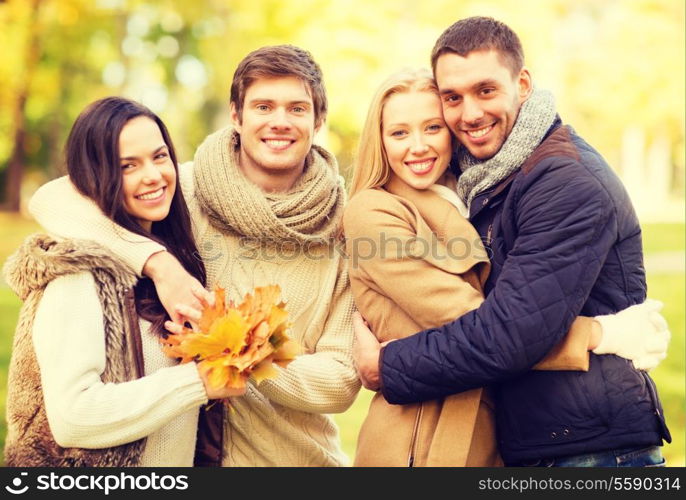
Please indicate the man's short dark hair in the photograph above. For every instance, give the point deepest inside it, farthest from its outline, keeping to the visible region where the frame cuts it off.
(279, 61)
(480, 33)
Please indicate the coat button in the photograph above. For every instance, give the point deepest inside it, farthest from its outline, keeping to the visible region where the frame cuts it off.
(485, 201)
(565, 432)
(553, 435)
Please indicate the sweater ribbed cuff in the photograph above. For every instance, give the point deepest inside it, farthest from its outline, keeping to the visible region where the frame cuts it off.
(187, 381)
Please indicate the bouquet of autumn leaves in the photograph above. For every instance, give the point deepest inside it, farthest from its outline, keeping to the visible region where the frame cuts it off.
(235, 342)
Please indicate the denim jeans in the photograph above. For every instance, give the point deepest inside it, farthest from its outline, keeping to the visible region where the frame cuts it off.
(628, 457)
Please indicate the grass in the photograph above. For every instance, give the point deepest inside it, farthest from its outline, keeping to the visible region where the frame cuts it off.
(13, 230)
(669, 376)
(667, 287)
(659, 238)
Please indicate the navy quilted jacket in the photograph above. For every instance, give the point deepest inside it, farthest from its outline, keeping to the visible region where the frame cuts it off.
(564, 241)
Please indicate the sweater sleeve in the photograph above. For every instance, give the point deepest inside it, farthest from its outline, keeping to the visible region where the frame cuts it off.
(324, 381)
(63, 211)
(565, 230)
(82, 411)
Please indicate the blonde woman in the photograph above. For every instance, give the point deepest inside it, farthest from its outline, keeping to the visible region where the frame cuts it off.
(417, 263)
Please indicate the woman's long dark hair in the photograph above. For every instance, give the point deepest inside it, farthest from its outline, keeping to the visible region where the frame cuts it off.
(93, 163)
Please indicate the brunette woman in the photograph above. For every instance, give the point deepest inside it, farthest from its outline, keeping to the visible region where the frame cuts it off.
(88, 382)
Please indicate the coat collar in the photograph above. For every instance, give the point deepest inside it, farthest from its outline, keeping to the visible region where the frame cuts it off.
(488, 197)
(444, 220)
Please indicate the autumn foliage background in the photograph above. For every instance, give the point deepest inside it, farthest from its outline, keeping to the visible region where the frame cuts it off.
(616, 68)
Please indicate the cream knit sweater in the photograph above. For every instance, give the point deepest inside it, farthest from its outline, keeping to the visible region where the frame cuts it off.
(83, 412)
(280, 422)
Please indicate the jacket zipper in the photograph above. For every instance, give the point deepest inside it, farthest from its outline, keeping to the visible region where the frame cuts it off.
(653, 394)
(415, 436)
(656, 405)
(134, 338)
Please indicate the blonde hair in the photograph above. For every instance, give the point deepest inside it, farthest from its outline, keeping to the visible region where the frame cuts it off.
(370, 166)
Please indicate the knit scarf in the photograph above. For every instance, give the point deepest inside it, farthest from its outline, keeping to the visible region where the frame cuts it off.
(535, 117)
(309, 212)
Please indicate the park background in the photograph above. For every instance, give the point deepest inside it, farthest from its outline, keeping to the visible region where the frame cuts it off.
(616, 68)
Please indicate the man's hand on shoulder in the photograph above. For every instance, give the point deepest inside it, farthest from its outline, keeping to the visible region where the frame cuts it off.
(175, 286)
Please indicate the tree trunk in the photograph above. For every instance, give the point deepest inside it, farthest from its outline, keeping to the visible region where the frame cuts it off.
(15, 167)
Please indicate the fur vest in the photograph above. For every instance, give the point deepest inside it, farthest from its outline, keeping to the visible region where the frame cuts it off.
(28, 271)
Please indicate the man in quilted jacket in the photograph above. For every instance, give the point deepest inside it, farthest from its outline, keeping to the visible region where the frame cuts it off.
(564, 241)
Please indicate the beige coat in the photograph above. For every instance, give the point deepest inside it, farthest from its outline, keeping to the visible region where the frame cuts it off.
(416, 263)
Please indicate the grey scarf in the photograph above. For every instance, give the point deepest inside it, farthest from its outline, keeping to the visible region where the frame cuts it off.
(535, 117)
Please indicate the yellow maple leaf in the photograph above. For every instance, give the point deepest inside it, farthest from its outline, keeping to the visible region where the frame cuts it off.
(211, 313)
(253, 355)
(221, 374)
(235, 342)
(173, 346)
(287, 352)
(263, 371)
